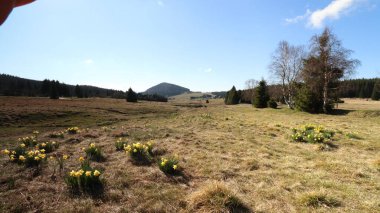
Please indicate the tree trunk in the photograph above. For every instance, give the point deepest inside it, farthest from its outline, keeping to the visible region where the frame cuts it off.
(325, 93)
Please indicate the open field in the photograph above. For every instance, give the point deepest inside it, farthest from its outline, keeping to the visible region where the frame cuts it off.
(245, 150)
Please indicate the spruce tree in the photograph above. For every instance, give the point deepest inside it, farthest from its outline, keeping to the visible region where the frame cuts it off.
(261, 97)
(131, 96)
(54, 93)
(232, 96)
(376, 91)
(78, 91)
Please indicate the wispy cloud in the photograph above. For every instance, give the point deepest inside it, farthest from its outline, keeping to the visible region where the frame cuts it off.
(88, 61)
(297, 19)
(333, 11)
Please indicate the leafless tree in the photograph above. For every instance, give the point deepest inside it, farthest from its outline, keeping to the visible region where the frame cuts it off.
(286, 66)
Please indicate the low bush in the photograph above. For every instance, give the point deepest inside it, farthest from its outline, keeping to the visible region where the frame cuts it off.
(169, 165)
(311, 134)
(272, 104)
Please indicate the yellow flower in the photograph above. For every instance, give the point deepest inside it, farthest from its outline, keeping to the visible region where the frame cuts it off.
(43, 144)
(6, 151)
(174, 167)
(22, 145)
(92, 145)
(65, 157)
(21, 158)
(37, 158)
(51, 158)
(83, 149)
(135, 150)
(72, 173)
(80, 172)
(12, 157)
(96, 173)
(42, 156)
(163, 163)
(42, 150)
(88, 173)
(81, 159)
(53, 142)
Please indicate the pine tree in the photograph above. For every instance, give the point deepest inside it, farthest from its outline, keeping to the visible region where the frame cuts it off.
(376, 91)
(54, 94)
(261, 97)
(232, 97)
(78, 91)
(131, 96)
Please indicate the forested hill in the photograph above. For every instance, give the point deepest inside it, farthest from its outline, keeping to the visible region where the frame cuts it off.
(166, 89)
(16, 86)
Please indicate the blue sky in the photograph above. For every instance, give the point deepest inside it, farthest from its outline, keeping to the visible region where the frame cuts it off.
(204, 45)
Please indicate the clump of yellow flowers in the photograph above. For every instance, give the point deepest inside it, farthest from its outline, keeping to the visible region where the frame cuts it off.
(120, 144)
(94, 152)
(48, 146)
(311, 133)
(73, 130)
(169, 165)
(28, 141)
(139, 152)
(34, 158)
(86, 179)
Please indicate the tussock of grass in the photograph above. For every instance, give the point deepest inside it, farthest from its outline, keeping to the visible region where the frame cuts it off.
(319, 199)
(216, 197)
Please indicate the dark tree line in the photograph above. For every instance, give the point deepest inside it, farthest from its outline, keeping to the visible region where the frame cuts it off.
(16, 86)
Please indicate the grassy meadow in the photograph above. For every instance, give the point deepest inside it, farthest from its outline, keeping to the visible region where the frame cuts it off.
(232, 158)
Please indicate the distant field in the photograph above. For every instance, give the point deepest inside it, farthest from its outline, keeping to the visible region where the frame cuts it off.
(246, 150)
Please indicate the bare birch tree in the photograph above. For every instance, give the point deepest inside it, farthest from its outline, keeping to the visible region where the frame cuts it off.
(286, 66)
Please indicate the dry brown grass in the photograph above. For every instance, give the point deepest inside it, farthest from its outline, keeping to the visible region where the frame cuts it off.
(247, 149)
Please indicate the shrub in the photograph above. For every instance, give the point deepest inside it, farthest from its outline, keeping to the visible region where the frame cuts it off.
(57, 135)
(35, 158)
(73, 130)
(48, 146)
(120, 144)
(216, 197)
(86, 180)
(29, 141)
(140, 153)
(232, 97)
(308, 101)
(272, 104)
(312, 134)
(94, 153)
(169, 165)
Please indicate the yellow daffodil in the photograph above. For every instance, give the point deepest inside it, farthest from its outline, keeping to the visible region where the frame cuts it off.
(163, 163)
(135, 150)
(96, 173)
(6, 151)
(43, 144)
(81, 159)
(174, 167)
(92, 145)
(22, 145)
(42, 150)
(21, 158)
(36, 158)
(72, 173)
(65, 157)
(88, 173)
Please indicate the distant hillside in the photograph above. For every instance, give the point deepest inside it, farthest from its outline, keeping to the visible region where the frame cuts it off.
(166, 89)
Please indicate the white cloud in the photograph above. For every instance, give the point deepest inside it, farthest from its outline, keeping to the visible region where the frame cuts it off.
(333, 11)
(297, 19)
(88, 61)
